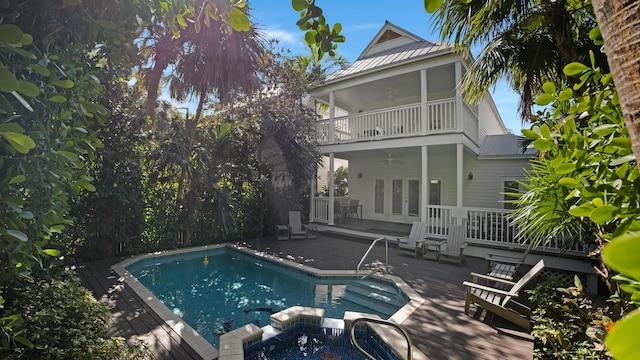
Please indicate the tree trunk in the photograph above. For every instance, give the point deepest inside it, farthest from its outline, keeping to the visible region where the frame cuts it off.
(153, 83)
(619, 22)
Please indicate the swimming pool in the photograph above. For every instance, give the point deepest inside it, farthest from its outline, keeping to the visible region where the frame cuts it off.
(231, 289)
(326, 290)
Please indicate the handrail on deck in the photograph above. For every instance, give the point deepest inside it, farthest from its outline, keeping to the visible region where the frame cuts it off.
(386, 250)
(382, 322)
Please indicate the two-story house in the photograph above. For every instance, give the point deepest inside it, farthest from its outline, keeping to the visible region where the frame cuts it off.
(416, 150)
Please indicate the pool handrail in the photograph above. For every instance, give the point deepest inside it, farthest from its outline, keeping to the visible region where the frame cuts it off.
(386, 250)
(382, 322)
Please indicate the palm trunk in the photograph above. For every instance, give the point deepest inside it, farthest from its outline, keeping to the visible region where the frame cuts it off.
(153, 83)
(619, 22)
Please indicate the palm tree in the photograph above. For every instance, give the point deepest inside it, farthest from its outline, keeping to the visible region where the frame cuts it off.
(217, 61)
(527, 42)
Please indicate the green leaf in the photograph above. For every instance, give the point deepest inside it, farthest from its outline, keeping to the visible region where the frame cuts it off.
(10, 34)
(239, 20)
(568, 182)
(530, 134)
(28, 89)
(621, 254)
(622, 160)
(40, 69)
(17, 179)
(73, 157)
(65, 84)
(299, 5)
(432, 6)
(565, 168)
(603, 214)
(58, 99)
(8, 81)
(51, 252)
(575, 69)
(565, 94)
(22, 101)
(581, 211)
(22, 143)
(85, 184)
(310, 37)
(545, 99)
(549, 88)
(18, 235)
(622, 340)
(543, 144)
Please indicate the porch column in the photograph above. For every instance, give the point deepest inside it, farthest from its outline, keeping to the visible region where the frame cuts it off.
(423, 101)
(424, 198)
(332, 114)
(459, 111)
(312, 193)
(331, 197)
(459, 213)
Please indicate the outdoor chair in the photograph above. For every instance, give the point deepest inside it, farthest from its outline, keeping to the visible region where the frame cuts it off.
(353, 208)
(504, 266)
(415, 240)
(338, 211)
(455, 245)
(297, 230)
(501, 301)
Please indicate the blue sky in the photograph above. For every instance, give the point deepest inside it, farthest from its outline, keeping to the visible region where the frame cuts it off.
(361, 21)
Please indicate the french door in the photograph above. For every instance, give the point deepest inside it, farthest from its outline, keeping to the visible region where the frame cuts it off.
(399, 200)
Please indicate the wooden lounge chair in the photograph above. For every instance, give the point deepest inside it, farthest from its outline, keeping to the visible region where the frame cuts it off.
(414, 241)
(455, 245)
(501, 302)
(297, 230)
(504, 266)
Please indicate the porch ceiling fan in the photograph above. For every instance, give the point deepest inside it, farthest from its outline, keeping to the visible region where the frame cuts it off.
(390, 160)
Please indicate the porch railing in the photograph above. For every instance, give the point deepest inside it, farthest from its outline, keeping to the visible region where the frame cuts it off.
(485, 226)
(390, 122)
(321, 207)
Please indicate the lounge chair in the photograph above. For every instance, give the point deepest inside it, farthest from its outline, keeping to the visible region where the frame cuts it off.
(414, 241)
(455, 245)
(504, 266)
(501, 302)
(297, 230)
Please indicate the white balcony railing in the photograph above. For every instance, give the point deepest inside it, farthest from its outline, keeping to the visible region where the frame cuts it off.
(390, 122)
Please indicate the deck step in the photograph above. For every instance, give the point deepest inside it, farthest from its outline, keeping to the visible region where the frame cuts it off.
(377, 296)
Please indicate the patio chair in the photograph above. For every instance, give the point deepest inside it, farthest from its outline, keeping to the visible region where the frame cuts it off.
(455, 245)
(297, 230)
(353, 208)
(504, 266)
(501, 302)
(414, 241)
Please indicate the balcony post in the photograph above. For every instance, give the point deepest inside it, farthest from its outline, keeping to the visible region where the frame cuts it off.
(424, 196)
(459, 108)
(423, 101)
(332, 115)
(331, 195)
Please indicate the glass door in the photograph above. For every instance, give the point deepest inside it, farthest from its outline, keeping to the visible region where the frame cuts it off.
(405, 200)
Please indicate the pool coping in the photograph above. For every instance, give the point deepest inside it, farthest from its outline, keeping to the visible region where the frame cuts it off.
(200, 345)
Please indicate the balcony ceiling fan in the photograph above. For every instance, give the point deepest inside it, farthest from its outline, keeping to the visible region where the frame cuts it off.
(390, 160)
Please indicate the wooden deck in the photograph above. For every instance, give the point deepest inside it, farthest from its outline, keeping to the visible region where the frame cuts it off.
(438, 328)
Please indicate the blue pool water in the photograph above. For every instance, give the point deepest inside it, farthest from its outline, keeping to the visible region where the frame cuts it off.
(235, 289)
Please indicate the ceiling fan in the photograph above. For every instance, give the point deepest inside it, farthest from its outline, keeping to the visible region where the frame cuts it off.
(390, 160)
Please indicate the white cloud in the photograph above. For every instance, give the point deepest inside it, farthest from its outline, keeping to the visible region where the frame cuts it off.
(284, 36)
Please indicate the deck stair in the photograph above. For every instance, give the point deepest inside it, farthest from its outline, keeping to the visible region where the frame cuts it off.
(377, 296)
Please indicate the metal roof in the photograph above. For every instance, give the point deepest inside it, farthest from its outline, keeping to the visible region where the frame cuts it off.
(405, 53)
(503, 145)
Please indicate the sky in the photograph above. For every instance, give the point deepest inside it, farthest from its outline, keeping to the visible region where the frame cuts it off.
(361, 20)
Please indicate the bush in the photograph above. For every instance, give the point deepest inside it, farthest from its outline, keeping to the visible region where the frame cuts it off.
(63, 321)
(565, 324)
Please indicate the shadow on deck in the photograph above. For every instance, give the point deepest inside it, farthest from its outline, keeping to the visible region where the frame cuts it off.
(438, 328)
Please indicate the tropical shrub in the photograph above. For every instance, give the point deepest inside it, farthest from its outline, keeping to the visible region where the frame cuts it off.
(63, 321)
(565, 325)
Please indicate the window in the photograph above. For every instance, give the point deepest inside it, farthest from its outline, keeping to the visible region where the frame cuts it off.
(434, 192)
(379, 197)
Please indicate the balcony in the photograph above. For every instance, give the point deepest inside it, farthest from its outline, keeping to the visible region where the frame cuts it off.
(400, 121)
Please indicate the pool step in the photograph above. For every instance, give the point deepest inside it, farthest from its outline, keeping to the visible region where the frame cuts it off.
(377, 296)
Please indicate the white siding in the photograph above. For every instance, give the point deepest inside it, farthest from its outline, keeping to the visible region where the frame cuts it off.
(485, 190)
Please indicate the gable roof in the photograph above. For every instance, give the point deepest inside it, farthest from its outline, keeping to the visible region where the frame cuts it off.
(391, 45)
